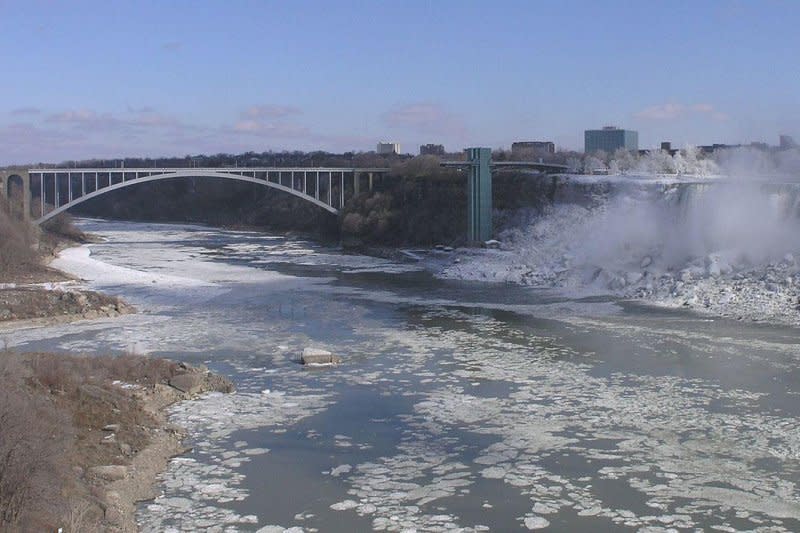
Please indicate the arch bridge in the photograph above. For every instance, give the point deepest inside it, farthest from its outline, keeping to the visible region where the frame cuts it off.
(42, 193)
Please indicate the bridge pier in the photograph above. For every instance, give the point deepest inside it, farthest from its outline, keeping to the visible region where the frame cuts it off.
(13, 183)
(479, 194)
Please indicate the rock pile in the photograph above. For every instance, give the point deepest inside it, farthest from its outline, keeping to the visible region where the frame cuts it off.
(20, 303)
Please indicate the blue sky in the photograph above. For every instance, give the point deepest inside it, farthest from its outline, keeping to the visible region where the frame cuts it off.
(114, 78)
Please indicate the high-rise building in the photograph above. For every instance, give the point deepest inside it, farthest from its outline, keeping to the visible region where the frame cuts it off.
(532, 148)
(610, 139)
(431, 149)
(787, 142)
(385, 148)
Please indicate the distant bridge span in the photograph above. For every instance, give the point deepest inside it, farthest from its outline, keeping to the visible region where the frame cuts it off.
(548, 168)
(48, 192)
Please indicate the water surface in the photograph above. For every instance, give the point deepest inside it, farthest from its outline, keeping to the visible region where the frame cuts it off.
(458, 405)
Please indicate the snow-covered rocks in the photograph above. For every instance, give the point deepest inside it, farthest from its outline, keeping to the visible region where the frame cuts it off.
(319, 357)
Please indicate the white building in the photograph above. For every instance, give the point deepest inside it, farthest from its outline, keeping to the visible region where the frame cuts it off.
(385, 148)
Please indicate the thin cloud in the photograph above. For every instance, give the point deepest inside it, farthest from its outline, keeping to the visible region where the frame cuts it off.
(425, 118)
(144, 109)
(673, 111)
(270, 129)
(85, 118)
(662, 112)
(269, 121)
(144, 118)
(257, 112)
(26, 111)
(155, 120)
(85, 133)
(29, 134)
(23, 144)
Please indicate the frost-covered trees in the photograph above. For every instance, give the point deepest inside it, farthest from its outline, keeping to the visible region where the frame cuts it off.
(656, 162)
(622, 162)
(687, 161)
(593, 163)
(574, 165)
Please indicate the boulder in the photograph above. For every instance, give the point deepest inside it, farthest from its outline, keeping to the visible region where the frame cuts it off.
(109, 472)
(315, 356)
(97, 394)
(190, 382)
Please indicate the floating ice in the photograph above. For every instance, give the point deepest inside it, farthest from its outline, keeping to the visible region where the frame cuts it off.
(536, 522)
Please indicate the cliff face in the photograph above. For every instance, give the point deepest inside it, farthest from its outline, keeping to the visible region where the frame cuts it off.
(432, 209)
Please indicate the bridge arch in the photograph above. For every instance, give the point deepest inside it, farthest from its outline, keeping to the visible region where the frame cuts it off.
(184, 174)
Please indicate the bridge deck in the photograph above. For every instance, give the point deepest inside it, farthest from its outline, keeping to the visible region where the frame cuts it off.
(161, 170)
(546, 167)
(62, 188)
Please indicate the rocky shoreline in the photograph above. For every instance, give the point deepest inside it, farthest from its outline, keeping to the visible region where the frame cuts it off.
(84, 438)
(117, 464)
(125, 487)
(57, 303)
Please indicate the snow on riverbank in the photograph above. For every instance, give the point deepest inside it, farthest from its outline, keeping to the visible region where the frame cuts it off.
(79, 262)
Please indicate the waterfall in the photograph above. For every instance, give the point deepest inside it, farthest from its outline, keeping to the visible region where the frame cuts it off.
(630, 230)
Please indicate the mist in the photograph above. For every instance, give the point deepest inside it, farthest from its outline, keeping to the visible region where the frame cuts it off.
(742, 212)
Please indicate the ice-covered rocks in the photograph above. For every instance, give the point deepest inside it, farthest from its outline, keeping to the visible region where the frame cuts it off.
(716, 265)
(319, 357)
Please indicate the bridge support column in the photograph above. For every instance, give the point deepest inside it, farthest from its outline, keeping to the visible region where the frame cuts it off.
(26, 195)
(17, 179)
(479, 194)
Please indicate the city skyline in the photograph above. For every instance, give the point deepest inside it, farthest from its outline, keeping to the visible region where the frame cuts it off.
(154, 79)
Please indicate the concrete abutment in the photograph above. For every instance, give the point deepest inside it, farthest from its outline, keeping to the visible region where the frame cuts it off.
(15, 188)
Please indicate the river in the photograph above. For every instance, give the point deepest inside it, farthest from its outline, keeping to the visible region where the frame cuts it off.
(458, 405)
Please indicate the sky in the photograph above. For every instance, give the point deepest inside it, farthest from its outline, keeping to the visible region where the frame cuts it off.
(113, 78)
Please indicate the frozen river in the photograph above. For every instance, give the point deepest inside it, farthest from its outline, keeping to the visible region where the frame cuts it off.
(458, 406)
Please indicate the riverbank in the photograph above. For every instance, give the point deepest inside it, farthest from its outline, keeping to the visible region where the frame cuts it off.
(32, 292)
(45, 296)
(86, 437)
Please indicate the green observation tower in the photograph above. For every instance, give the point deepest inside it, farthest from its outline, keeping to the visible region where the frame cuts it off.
(479, 194)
